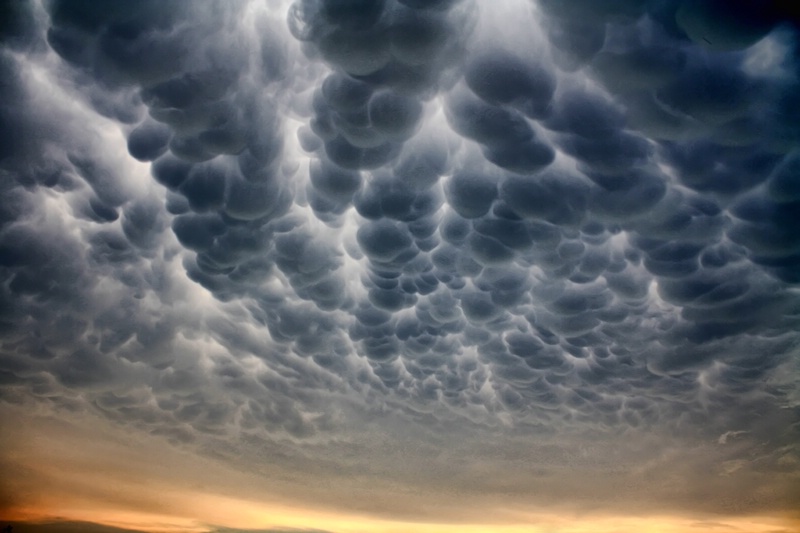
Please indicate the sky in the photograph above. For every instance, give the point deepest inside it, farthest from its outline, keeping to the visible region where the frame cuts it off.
(384, 266)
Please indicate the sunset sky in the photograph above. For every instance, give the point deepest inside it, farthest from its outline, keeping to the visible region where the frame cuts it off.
(392, 266)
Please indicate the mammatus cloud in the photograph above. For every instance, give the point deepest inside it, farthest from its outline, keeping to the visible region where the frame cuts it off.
(509, 255)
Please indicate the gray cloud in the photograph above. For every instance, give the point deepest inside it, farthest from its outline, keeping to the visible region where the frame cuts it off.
(229, 221)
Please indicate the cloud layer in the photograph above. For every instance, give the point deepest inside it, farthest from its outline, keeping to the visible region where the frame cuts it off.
(502, 228)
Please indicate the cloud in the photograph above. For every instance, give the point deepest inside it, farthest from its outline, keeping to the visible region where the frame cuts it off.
(226, 223)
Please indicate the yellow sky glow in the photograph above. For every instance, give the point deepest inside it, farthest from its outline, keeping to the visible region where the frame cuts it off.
(227, 512)
(57, 472)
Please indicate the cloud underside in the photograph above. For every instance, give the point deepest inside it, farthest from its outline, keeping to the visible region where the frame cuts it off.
(554, 234)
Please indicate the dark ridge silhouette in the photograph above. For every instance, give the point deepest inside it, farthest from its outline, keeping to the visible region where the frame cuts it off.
(62, 526)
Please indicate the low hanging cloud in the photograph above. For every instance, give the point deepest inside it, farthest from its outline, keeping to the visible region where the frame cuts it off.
(299, 224)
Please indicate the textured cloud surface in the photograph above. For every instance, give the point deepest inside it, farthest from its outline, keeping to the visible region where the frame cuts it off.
(493, 255)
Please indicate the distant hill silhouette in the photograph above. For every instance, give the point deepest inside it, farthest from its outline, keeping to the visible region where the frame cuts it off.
(62, 527)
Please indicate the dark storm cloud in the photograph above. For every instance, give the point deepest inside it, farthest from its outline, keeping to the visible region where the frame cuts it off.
(409, 207)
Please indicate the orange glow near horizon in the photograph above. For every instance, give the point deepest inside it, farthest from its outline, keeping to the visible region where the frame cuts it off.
(198, 512)
(54, 472)
(228, 513)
